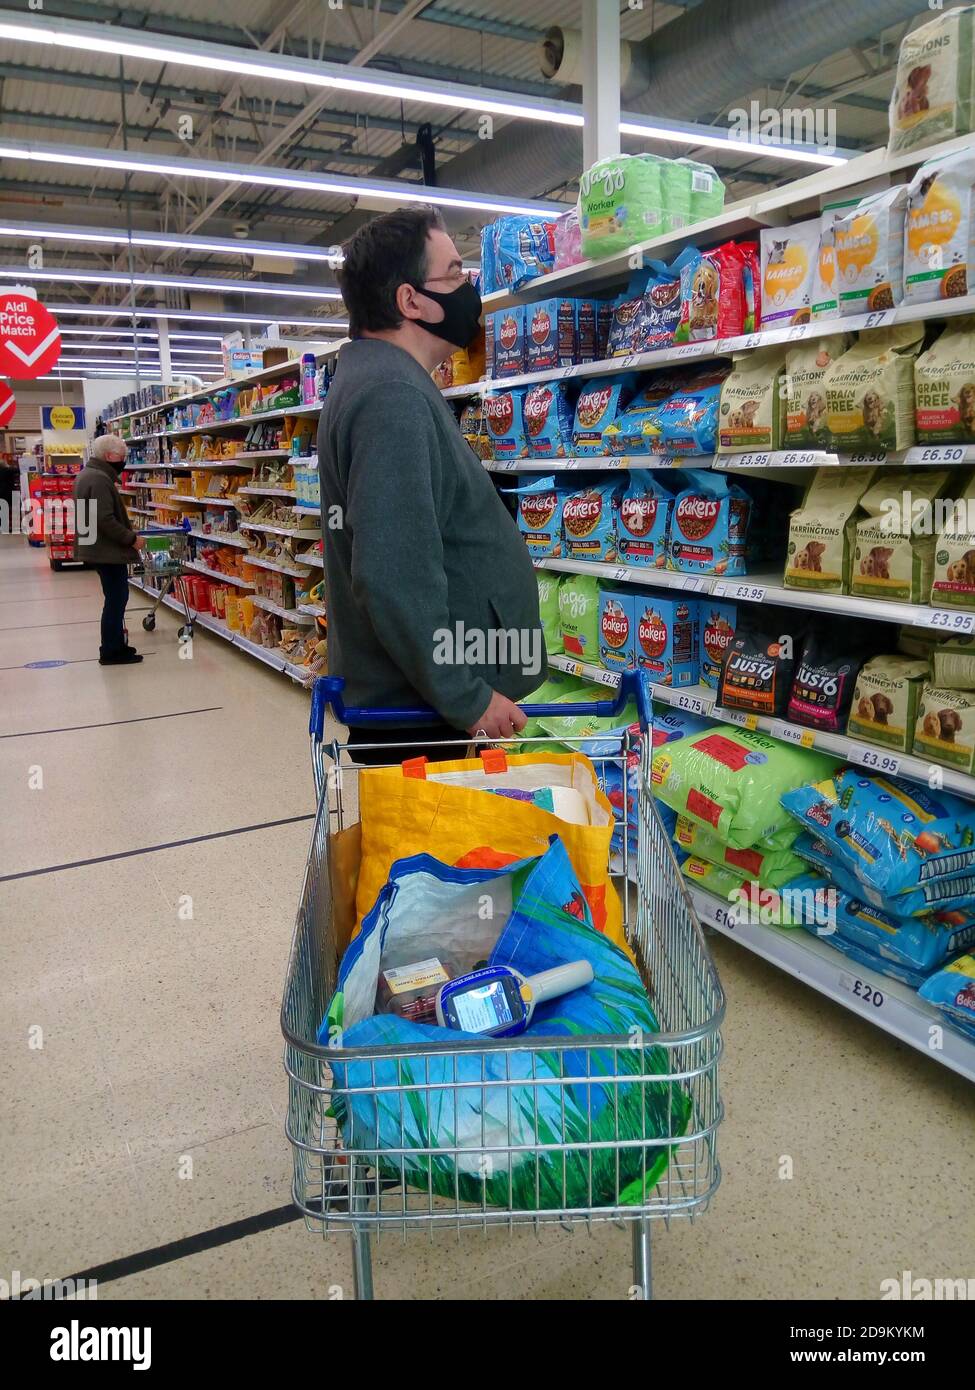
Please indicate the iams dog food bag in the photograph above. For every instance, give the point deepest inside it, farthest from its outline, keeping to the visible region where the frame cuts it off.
(939, 239)
(620, 203)
(933, 94)
(868, 243)
(821, 531)
(709, 525)
(953, 583)
(885, 701)
(944, 387)
(666, 639)
(806, 363)
(588, 520)
(643, 514)
(893, 556)
(750, 414)
(945, 730)
(790, 260)
(870, 390)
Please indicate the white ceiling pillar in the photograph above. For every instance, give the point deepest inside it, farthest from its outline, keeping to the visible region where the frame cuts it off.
(600, 80)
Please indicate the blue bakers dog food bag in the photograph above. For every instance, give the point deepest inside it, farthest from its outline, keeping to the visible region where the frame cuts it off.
(548, 415)
(504, 424)
(952, 991)
(600, 401)
(539, 517)
(938, 894)
(626, 434)
(642, 520)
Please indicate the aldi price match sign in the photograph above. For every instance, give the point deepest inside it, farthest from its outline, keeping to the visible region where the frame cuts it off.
(30, 340)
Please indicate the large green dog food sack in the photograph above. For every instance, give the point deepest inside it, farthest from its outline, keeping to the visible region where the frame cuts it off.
(579, 616)
(548, 608)
(707, 191)
(620, 203)
(731, 781)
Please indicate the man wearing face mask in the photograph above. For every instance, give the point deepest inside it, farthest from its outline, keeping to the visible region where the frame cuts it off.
(107, 541)
(425, 546)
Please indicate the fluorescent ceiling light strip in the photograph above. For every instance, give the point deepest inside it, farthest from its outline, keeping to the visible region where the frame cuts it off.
(145, 349)
(128, 311)
(139, 334)
(205, 170)
(172, 282)
(732, 145)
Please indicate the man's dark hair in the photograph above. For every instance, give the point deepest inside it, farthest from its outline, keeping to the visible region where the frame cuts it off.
(387, 252)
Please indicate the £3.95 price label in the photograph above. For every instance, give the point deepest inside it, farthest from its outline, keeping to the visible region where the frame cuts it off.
(945, 620)
(876, 760)
(867, 994)
(748, 593)
(746, 460)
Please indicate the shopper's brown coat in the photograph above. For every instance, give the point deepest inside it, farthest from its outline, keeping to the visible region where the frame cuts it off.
(114, 543)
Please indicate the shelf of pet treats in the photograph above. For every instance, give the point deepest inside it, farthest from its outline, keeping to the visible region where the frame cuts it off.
(263, 564)
(219, 538)
(145, 467)
(759, 588)
(256, 490)
(599, 463)
(201, 568)
(201, 499)
(208, 426)
(240, 461)
(891, 1005)
(291, 532)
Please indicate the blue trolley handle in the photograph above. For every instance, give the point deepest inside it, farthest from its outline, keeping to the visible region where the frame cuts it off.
(327, 694)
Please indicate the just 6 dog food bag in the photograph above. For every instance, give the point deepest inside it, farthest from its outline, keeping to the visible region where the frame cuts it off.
(933, 93)
(870, 390)
(709, 526)
(944, 387)
(893, 556)
(885, 701)
(822, 686)
(756, 670)
(868, 245)
(790, 260)
(805, 425)
(945, 730)
(939, 241)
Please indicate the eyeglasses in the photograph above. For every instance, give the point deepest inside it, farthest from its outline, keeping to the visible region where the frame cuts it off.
(453, 277)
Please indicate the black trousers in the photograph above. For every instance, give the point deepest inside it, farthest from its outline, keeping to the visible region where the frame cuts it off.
(115, 587)
(430, 740)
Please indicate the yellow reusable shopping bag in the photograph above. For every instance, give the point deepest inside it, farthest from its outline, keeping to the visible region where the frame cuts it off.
(448, 810)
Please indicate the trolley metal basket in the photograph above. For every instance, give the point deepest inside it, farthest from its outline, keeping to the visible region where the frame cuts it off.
(352, 1190)
(162, 563)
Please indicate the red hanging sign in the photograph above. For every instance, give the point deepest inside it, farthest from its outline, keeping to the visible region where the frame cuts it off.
(8, 406)
(30, 340)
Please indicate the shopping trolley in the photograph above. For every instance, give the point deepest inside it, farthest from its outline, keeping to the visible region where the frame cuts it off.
(162, 562)
(364, 1191)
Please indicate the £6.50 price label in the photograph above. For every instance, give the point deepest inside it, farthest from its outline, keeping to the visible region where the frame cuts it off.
(945, 620)
(867, 994)
(804, 460)
(876, 760)
(942, 453)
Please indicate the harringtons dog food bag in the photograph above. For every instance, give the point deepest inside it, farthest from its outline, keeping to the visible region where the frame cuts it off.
(790, 259)
(868, 245)
(885, 701)
(933, 93)
(953, 584)
(893, 556)
(821, 531)
(709, 525)
(944, 387)
(939, 239)
(945, 730)
(750, 413)
(620, 203)
(806, 363)
(954, 663)
(870, 390)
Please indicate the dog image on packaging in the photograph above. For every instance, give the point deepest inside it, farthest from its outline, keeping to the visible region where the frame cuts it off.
(749, 417)
(868, 245)
(643, 514)
(953, 584)
(667, 639)
(617, 629)
(933, 94)
(790, 261)
(870, 390)
(822, 530)
(509, 341)
(885, 701)
(945, 730)
(939, 242)
(709, 525)
(894, 550)
(806, 364)
(944, 387)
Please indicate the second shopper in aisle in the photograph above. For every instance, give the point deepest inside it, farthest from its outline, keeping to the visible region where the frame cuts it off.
(430, 591)
(115, 545)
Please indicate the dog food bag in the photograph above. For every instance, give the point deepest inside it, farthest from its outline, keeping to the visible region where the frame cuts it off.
(551, 334)
(473, 426)
(757, 669)
(509, 341)
(617, 629)
(891, 834)
(952, 992)
(548, 413)
(588, 521)
(626, 327)
(667, 639)
(824, 301)
(599, 403)
(945, 730)
(568, 240)
(954, 663)
(718, 621)
(626, 434)
(749, 417)
(579, 613)
(586, 329)
(953, 585)
(939, 245)
(885, 701)
(919, 943)
(700, 281)
(944, 387)
(643, 514)
(620, 204)
(523, 248)
(870, 390)
(932, 97)
(732, 780)
(935, 894)
(709, 525)
(893, 556)
(869, 250)
(676, 179)
(822, 530)
(660, 313)
(707, 191)
(917, 642)
(822, 687)
(687, 421)
(790, 260)
(504, 423)
(752, 285)
(539, 516)
(769, 867)
(806, 363)
(548, 609)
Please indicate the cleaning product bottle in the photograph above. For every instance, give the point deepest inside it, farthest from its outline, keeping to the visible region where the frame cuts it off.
(308, 375)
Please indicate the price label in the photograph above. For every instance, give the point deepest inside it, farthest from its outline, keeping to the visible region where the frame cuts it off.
(752, 340)
(616, 462)
(946, 453)
(621, 572)
(608, 678)
(867, 994)
(693, 703)
(737, 716)
(879, 319)
(692, 583)
(802, 460)
(726, 345)
(629, 359)
(719, 590)
(867, 458)
(799, 331)
(944, 620)
(690, 350)
(574, 668)
(725, 917)
(747, 460)
(792, 733)
(748, 593)
(877, 760)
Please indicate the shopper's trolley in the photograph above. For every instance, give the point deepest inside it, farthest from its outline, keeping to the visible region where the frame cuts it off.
(362, 1191)
(162, 563)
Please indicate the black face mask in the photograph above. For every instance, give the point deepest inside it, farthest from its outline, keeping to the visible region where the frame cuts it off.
(461, 314)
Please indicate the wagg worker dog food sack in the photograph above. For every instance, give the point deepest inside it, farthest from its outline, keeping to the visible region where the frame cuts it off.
(944, 387)
(868, 243)
(821, 531)
(732, 781)
(749, 417)
(953, 585)
(894, 553)
(620, 203)
(805, 425)
(885, 701)
(939, 244)
(790, 259)
(870, 390)
(945, 730)
(933, 93)
(579, 613)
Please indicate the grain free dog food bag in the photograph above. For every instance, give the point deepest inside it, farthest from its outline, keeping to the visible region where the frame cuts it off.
(868, 246)
(822, 686)
(953, 584)
(933, 93)
(750, 414)
(757, 668)
(548, 412)
(822, 530)
(709, 525)
(620, 203)
(790, 259)
(579, 614)
(953, 663)
(945, 730)
(588, 521)
(718, 621)
(944, 387)
(548, 609)
(893, 555)
(939, 240)
(870, 390)
(885, 701)
(643, 514)
(806, 363)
